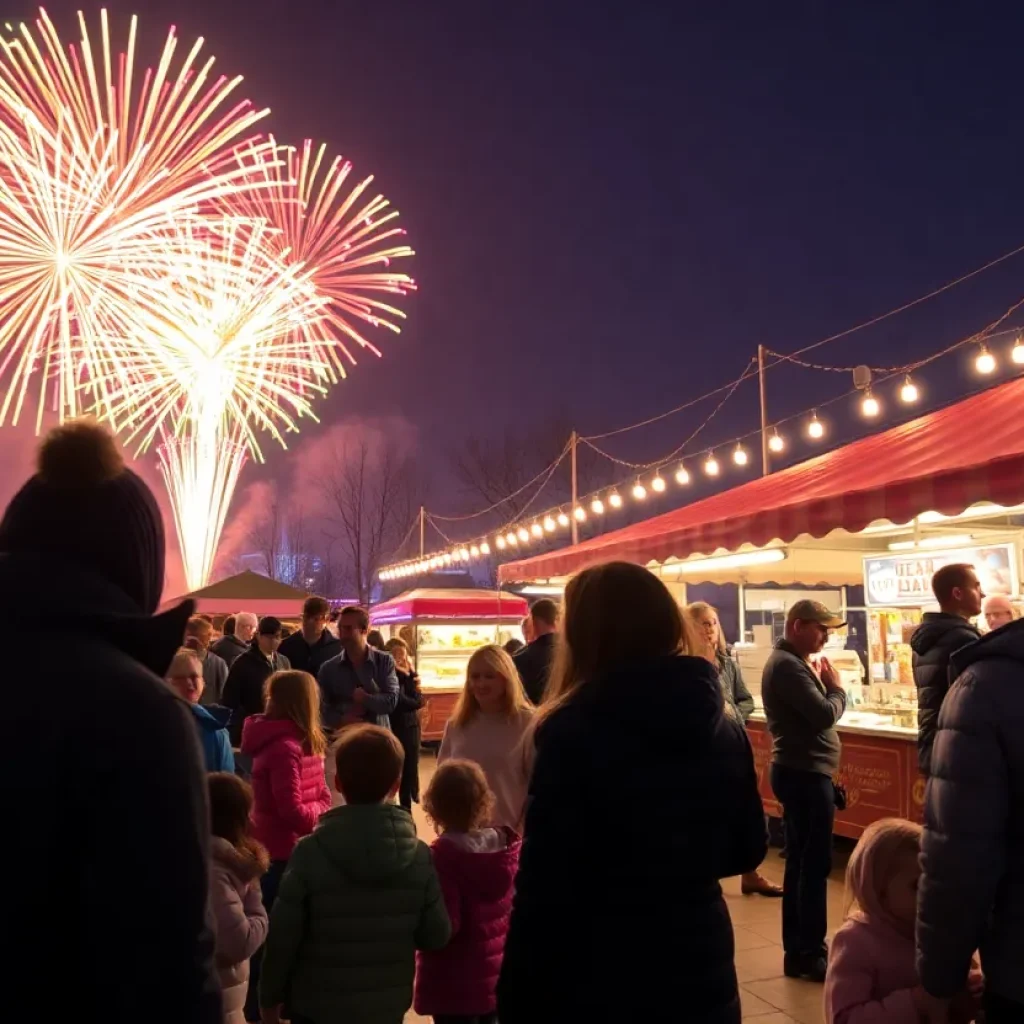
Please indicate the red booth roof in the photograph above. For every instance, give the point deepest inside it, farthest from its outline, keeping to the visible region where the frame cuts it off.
(457, 605)
(942, 462)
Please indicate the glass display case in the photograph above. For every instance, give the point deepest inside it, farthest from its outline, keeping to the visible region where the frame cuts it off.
(442, 629)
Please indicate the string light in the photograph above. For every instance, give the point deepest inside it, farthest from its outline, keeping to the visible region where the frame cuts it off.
(682, 475)
(435, 563)
(909, 393)
(485, 548)
(447, 558)
(500, 543)
(550, 524)
(658, 483)
(511, 539)
(711, 466)
(740, 456)
(639, 491)
(537, 530)
(615, 499)
(464, 554)
(815, 429)
(776, 442)
(870, 406)
(563, 520)
(1017, 353)
(986, 362)
(474, 551)
(597, 507)
(523, 534)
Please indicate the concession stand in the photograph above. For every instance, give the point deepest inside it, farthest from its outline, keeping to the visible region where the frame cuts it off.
(862, 529)
(442, 629)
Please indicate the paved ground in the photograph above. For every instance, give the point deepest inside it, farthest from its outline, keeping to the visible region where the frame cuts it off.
(768, 997)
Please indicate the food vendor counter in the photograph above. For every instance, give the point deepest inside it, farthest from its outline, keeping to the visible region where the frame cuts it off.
(878, 769)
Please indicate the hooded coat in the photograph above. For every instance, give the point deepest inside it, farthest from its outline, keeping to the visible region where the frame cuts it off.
(460, 980)
(212, 730)
(933, 643)
(99, 757)
(614, 926)
(228, 648)
(972, 890)
(289, 786)
(360, 896)
(240, 918)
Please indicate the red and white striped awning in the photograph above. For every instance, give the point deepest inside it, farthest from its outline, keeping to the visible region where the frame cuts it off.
(942, 462)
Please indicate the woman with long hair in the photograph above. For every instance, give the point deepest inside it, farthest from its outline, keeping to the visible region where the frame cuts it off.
(287, 747)
(643, 795)
(405, 721)
(487, 725)
(738, 701)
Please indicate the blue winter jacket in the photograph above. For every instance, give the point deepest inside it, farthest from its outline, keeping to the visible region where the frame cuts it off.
(212, 727)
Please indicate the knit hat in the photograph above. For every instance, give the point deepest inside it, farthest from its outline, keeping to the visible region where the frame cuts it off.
(84, 506)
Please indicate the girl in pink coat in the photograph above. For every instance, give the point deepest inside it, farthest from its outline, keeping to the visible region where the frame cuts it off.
(476, 866)
(287, 747)
(872, 975)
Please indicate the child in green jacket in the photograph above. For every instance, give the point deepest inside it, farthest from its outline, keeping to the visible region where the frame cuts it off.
(360, 896)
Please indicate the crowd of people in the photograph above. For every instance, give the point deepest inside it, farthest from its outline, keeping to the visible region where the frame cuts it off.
(212, 831)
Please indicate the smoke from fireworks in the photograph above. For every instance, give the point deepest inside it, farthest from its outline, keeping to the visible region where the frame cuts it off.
(161, 266)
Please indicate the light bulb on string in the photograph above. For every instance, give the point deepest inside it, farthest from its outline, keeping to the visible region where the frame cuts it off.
(908, 392)
(447, 559)
(580, 514)
(815, 429)
(500, 543)
(711, 466)
(597, 507)
(537, 530)
(985, 363)
(549, 524)
(658, 483)
(1017, 352)
(464, 554)
(615, 499)
(485, 548)
(523, 534)
(639, 491)
(511, 539)
(682, 475)
(775, 442)
(563, 520)
(869, 405)
(474, 551)
(739, 456)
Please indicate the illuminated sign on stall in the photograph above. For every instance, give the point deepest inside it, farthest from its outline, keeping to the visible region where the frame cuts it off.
(905, 580)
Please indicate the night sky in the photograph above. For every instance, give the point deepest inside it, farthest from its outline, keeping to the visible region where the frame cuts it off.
(612, 204)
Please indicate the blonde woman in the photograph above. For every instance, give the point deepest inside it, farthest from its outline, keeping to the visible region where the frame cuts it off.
(643, 795)
(487, 726)
(704, 620)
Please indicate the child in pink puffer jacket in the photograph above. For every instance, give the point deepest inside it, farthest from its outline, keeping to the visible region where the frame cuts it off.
(476, 867)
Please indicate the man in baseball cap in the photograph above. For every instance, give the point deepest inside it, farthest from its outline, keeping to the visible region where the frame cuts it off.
(802, 706)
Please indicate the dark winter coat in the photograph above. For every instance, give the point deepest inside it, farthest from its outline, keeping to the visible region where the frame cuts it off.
(229, 648)
(215, 675)
(534, 665)
(972, 889)
(616, 922)
(405, 718)
(460, 980)
(733, 688)
(309, 657)
(360, 896)
(243, 692)
(933, 643)
(99, 758)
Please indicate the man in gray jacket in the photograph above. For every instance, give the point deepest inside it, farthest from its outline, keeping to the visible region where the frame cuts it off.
(971, 894)
(802, 708)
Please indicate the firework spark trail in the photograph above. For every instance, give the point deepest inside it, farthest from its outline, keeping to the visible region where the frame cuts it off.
(91, 172)
(347, 239)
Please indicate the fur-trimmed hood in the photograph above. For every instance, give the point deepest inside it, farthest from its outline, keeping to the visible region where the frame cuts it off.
(245, 865)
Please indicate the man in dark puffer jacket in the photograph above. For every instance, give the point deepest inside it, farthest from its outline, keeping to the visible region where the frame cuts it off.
(958, 591)
(972, 889)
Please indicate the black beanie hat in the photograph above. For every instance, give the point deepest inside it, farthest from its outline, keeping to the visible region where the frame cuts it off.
(86, 507)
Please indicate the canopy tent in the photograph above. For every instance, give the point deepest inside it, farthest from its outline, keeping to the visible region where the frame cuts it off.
(943, 462)
(247, 592)
(455, 605)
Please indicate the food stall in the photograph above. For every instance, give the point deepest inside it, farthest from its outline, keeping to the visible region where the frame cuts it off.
(868, 524)
(442, 629)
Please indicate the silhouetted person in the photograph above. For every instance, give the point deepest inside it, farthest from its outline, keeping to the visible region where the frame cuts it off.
(309, 647)
(534, 660)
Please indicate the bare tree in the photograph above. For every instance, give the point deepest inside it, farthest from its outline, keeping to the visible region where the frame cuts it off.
(266, 537)
(370, 498)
